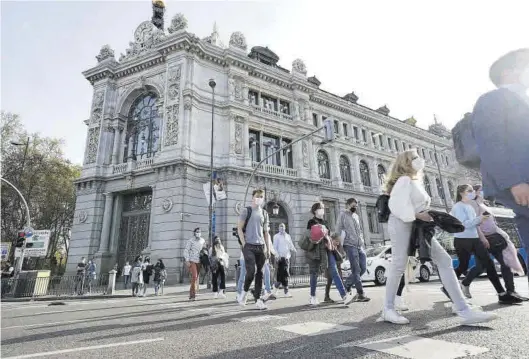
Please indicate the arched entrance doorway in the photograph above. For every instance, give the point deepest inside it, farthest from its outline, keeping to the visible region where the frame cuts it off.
(276, 220)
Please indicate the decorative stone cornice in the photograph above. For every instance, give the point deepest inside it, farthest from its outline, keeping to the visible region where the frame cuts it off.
(184, 41)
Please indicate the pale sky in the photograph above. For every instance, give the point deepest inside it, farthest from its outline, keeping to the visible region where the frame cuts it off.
(417, 57)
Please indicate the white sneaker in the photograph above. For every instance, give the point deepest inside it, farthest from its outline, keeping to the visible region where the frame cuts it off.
(400, 304)
(216, 295)
(242, 298)
(470, 306)
(287, 294)
(470, 316)
(348, 299)
(260, 304)
(222, 295)
(392, 316)
(314, 301)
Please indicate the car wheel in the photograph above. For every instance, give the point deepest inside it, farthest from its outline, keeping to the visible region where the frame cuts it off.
(380, 276)
(424, 274)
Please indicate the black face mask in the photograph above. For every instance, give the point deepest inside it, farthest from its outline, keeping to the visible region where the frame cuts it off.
(353, 209)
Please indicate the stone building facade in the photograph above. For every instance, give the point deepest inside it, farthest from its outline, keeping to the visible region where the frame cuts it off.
(148, 146)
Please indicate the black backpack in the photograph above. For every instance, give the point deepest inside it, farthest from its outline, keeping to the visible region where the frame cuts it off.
(248, 215)
(383, 210)
(465, 145)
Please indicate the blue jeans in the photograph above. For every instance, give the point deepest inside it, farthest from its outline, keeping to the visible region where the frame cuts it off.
(357, 260)
(335, 277)
(242, 275)
(267, 281)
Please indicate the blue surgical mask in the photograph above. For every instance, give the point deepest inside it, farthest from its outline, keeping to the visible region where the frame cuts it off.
(471, 195)
(481, 194)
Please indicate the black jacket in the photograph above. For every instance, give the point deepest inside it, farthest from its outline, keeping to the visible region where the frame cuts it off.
(422, 233)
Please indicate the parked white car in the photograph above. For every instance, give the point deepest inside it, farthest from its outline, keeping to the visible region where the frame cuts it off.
(378, 260)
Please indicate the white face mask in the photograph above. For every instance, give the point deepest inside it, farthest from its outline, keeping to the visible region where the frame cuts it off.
(197, 234)
(259, 201)
(320, 212)
(524, 77)
(418, 164)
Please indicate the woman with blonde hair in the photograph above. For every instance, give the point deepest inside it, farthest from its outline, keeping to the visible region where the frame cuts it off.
(409, 202)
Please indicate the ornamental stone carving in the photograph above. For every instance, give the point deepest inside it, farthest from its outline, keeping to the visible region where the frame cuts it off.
(146, 37)
(298, 66)
(178, 23)
(105, 53)
(238, 137)
(82, 216)
(302, 110)
(238, 40)
(171, 125)
(305, 153)
(97, 107)
(175, 74)
(91, 147)
(167, 204)
(235, 89)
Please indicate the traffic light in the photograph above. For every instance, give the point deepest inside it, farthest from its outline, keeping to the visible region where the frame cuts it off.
(328, 128)
(21, 238)
(158, 10)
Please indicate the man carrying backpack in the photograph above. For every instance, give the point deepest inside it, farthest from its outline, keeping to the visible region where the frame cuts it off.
(253, 230)
(353, 244)
(500, 124)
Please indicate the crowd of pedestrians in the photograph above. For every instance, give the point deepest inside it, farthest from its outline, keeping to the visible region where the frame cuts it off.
(499, 115)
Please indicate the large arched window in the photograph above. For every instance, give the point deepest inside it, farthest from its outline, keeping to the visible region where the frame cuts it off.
(345, 169)
(324, 167)
(364, 173)
(440, 188)
(427, 186)
(451, 189)
(143, 129)
(381, 173)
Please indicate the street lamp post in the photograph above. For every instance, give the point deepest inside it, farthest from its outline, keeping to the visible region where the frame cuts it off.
(212, 84)
(441, 177)
(20, 173)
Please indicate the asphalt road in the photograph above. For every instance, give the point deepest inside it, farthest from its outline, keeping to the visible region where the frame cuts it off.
(172, 327)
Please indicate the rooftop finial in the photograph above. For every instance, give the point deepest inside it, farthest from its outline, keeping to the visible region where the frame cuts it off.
(435, 119)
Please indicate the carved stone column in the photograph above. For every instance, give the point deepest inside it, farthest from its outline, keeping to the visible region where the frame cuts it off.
(335, 167)
(107, 221)
(117, 143)
(355, 168)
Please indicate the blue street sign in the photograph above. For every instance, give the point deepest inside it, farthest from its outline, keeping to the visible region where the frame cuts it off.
(28, 232)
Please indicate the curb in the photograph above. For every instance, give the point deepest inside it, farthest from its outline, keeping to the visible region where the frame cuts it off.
(229, 288)
(61, 298)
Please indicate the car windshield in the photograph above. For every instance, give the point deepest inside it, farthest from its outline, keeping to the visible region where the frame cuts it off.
(373, 252)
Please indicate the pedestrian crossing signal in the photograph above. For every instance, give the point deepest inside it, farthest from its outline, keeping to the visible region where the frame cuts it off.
(21, 238)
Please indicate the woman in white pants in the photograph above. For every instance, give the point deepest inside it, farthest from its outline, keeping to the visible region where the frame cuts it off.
(409, 201)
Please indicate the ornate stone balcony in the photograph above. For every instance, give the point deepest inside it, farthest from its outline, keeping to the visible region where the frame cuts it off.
(326, 182)
(277, 170)
(130, 166)
(272, 113)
